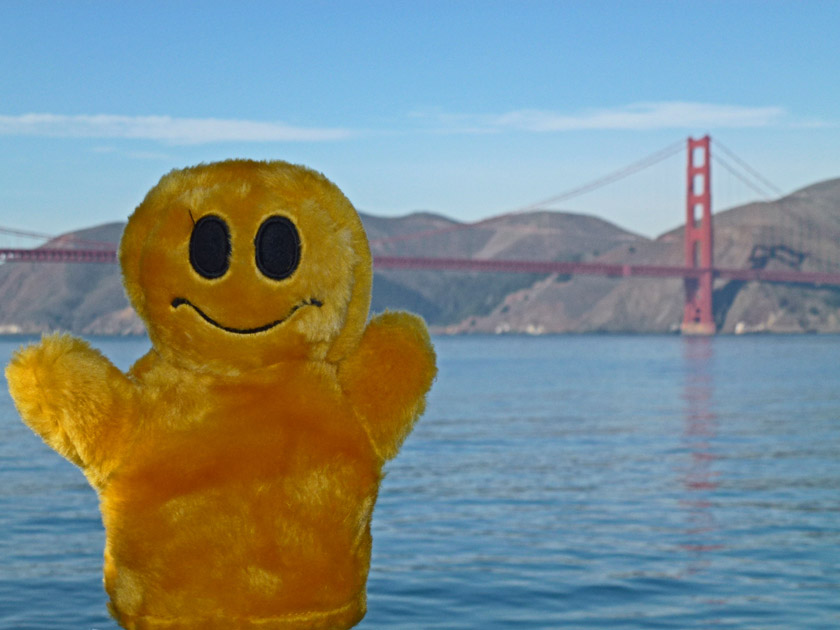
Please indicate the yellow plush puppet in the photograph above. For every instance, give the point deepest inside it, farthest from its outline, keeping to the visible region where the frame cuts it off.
(238, 462)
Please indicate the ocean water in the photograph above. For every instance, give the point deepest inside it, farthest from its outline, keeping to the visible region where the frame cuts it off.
(558, 482)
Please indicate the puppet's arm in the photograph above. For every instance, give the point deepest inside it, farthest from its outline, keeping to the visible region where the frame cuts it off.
(387, 377)
(75, 399)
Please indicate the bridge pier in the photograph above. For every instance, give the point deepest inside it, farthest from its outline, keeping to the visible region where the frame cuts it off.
(698, 315)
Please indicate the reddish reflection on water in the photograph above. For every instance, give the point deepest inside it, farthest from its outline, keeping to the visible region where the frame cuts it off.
(698, 475)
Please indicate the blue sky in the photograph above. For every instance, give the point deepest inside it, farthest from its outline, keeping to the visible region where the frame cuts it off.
(468, 109)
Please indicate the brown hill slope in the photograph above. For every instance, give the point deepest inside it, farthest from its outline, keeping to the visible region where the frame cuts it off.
(85, 298)
(88, 298)
(446, 298)
(800, 231)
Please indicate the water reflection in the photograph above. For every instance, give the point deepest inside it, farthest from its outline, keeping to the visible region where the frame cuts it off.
(698, 476)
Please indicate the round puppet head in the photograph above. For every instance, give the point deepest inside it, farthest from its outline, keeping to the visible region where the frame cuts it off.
(239, 265)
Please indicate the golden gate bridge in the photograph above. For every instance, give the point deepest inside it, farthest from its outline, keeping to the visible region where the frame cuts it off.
(698, 270)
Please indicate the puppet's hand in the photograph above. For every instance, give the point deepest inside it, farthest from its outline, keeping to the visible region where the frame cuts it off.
(387, 378)
(74, 398)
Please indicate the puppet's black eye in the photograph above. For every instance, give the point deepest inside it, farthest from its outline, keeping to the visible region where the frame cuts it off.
(277, 248)
(210, 247)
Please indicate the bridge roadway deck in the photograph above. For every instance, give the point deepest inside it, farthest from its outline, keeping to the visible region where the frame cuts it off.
(489, 265)
(605, 269)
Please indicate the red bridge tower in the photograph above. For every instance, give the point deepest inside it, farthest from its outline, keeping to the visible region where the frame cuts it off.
(698, 318)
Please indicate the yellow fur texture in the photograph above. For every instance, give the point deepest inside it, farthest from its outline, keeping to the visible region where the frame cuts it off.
(238, 462)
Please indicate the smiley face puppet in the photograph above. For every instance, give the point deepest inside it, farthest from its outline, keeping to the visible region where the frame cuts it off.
(238, 462)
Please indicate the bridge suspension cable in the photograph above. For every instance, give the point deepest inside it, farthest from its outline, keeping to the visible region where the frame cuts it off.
(744, 180)
(797, 237)
(610, 178)
(626, 171)
(749, 169)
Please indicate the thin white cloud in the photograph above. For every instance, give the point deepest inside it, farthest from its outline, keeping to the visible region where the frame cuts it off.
(164, 129)
(636, 116)
(135, 155)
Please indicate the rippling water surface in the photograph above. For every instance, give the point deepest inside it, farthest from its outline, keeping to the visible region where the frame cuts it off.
(560, 482)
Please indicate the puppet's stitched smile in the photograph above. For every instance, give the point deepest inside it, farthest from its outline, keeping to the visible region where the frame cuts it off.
(246, 331)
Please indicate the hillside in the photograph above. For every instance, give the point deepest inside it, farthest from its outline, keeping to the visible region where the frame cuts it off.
(808, 220)
(447, 298)
(85, 298)
(88, 298)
